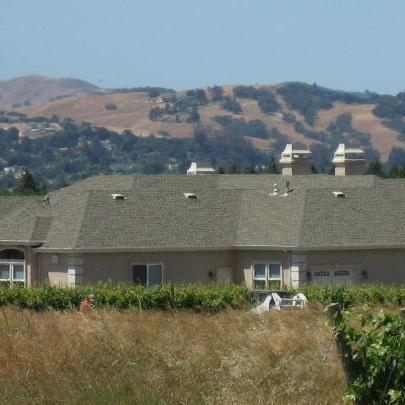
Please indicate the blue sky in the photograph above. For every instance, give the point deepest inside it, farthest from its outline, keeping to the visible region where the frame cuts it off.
(344, 44)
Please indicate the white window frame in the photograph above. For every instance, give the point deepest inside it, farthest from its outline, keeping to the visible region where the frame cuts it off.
(147, 264)
(322, 273)
(11, 264)
(267, 278)
(342, 273)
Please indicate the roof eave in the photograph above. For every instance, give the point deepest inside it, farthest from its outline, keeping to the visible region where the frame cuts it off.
(283, 248)
(21, 242)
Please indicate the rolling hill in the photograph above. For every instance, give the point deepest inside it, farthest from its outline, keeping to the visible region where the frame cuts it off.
(120, 110)
(35, 89)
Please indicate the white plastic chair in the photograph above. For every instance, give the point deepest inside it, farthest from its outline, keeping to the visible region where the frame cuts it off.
(263, 307)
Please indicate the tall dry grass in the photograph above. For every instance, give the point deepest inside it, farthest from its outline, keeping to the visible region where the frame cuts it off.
(151, 357)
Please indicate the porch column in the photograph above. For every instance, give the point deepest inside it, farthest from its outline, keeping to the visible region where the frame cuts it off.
(298, 270)
(28, 256)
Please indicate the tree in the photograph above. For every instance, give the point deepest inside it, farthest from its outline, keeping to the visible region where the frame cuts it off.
(197, 95)
(375, 168)
(230, 104)
(110, 107)
(194, 115)
(397, 172)
(217, 93)
(268, 103)
(233, 169)
(249, 169)
(246, 92)
(396, 157)
(155, 113)
(153, 92)
(272, 167)
(27, 184)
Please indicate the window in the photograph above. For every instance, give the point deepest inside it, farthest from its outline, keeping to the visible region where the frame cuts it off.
(147, 274)
(321, 274)
(274, 271)
(259, 275)
(342, 273)
(11, 254)
(4, 272)
(12, 267)
(266, 275)
(18, 272)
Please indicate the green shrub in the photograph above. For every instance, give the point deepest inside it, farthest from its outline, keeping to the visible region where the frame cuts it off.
(375, 353)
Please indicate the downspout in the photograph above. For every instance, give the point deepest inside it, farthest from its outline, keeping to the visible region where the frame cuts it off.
(27, 268)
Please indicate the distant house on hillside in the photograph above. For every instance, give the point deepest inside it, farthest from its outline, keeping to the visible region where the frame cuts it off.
(260, 230)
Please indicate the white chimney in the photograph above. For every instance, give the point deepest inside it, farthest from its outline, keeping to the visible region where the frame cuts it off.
(295, 161)
(200, 168)
(349, 161)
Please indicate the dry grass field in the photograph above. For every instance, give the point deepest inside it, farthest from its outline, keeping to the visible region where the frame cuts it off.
(148, 357)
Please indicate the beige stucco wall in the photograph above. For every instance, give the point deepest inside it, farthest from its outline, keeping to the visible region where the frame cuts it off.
(381, 266)
(178, 267)
(49, 273)
(385, 266)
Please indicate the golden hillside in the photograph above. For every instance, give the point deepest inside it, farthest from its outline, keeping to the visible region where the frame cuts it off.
(132, 113)
(35, 89)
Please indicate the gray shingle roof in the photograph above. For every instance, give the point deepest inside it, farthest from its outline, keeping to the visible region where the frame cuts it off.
(231, 211)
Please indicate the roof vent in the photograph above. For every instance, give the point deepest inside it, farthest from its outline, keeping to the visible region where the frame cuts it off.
(339, 194)
(288, 189)
(190, 196)
(275, 189)
(118, 196)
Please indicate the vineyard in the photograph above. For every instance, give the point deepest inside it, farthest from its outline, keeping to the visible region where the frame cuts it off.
(374, 350)
(208, 298)
(204, 298)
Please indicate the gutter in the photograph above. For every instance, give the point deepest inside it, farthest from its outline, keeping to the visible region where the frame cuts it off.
(21, 242)
(278, 248)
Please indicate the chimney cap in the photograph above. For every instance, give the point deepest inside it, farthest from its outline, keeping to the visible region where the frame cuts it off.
(342, 153)
(290, 154)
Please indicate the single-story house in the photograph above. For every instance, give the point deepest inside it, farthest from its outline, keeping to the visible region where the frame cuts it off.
(260, 230)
